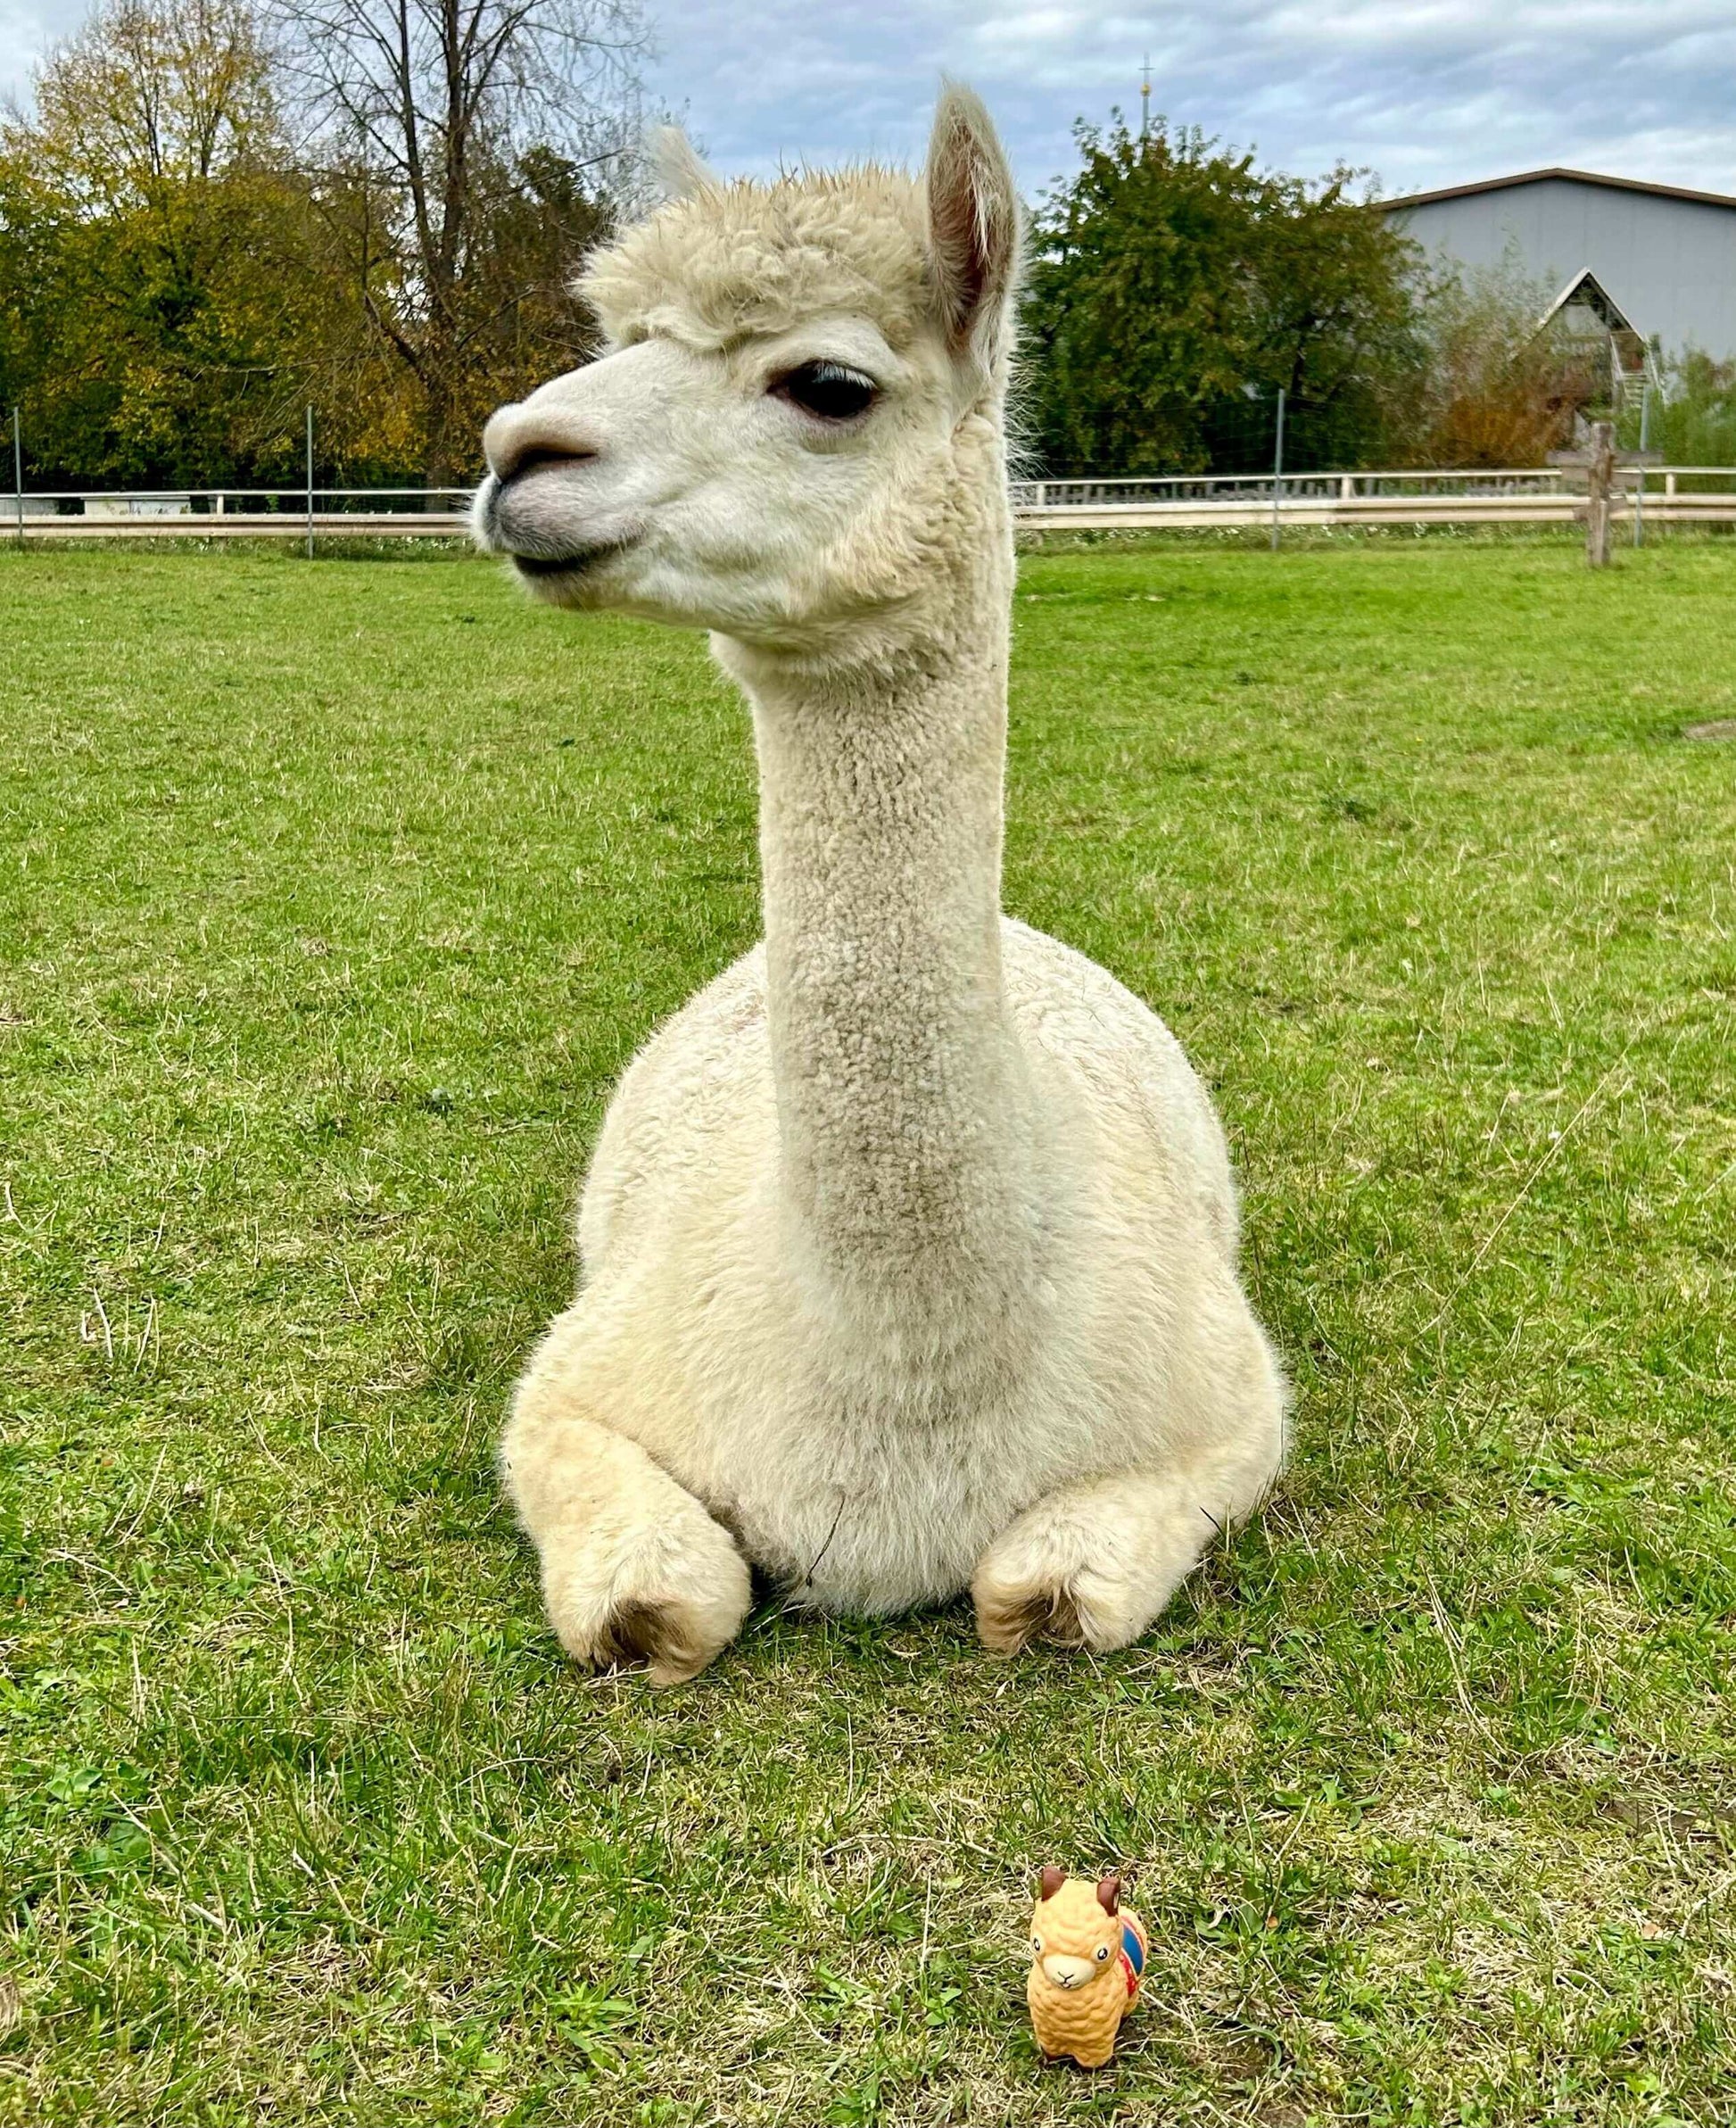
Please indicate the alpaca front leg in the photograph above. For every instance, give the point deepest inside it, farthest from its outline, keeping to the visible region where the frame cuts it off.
(632, 1565)
(1093, 1564)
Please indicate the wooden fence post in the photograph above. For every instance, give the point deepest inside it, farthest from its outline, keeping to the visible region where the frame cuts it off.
(1593, 468)
(1600, 454)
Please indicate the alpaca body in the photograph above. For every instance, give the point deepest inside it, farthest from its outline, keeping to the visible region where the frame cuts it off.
(909, 1245)
(867, 1445)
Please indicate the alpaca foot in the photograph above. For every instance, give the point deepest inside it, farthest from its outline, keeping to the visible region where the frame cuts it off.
(1091, 1566)
(673, 1593)
(1017, 1604)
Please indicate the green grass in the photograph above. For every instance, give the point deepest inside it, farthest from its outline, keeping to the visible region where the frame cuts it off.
(332, 899)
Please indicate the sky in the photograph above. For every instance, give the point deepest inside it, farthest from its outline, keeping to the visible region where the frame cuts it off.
(1421, 92)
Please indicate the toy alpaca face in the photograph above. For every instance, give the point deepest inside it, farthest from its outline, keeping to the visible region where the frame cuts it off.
(1076, 1929)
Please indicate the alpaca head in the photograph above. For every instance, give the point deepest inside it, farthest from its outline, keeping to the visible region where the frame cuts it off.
(794, 433)
(1076, 1929)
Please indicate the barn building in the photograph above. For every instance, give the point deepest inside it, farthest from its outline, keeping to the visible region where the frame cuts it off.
(1654, 265)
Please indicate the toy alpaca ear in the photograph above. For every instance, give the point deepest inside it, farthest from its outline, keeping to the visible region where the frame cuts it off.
(1053, 1880)
(973, 221)
(1109, 1894)
(678, 170)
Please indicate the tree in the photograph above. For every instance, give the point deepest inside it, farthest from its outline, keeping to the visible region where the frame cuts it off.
(1172, 282)
(153, 281)
(462, 153)
(1696, 423)
(1496, 388)
(176, 285)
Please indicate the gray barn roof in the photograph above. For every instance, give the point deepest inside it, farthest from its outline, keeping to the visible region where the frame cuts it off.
(1579, 176)
(1665, 255)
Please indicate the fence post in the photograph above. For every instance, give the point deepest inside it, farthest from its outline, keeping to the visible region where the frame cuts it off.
(309, 484)
(1600, 471)
(1278, 469)
(17, 472)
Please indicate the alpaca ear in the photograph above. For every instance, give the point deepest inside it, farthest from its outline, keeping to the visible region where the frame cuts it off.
(1053, 1879)
(973, 222)
(1109, 1894)
(678, 170)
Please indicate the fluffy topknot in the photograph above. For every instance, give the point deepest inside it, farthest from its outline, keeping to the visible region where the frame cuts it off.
(744, 257)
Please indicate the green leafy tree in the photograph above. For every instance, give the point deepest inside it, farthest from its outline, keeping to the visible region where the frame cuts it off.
(1174, 288)
(1695, 422)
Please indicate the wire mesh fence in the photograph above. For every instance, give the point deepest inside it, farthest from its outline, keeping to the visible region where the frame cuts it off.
(1255, 429)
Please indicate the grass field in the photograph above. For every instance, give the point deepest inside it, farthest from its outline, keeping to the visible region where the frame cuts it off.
(333, 897)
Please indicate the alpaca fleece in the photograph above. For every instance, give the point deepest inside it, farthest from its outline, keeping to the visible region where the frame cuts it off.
(910, 1246)
(747, 258)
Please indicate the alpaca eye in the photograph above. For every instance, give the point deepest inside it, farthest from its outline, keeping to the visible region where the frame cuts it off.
(1036, 1946)
(1102, 1952)
(829, 389)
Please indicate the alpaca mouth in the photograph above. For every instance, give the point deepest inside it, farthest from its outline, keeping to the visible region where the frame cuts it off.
(564, 565)
(560, 575)
(498, 520)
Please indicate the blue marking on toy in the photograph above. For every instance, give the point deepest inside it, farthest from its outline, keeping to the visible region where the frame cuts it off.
(1133, 1951)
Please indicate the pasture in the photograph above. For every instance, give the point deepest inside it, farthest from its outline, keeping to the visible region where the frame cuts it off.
(332, 899)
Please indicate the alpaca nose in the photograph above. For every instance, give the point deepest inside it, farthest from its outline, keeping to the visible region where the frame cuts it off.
(518, 439)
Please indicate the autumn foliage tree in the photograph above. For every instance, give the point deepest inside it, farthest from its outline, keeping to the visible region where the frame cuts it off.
(193, 247)
(1497, 386)
(151, 277)
(462, 153)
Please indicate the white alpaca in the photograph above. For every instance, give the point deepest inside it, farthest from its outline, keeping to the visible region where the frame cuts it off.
(910, 1243)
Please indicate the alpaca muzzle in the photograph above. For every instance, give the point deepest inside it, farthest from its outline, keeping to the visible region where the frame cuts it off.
(537, 504)
(537, 529)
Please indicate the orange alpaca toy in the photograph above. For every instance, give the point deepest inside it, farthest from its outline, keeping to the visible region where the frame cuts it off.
(1087, 1953)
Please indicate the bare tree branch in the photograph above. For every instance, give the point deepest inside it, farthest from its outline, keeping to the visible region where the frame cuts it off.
(432, 107)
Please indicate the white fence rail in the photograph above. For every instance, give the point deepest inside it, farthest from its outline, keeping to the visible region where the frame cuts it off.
(1520, 495)
(244, 513)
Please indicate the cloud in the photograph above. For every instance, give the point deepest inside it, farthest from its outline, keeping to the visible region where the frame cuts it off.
(1423, 92)
(27, 29)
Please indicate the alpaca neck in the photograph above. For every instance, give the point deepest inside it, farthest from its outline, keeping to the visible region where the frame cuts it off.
(903, 1112)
